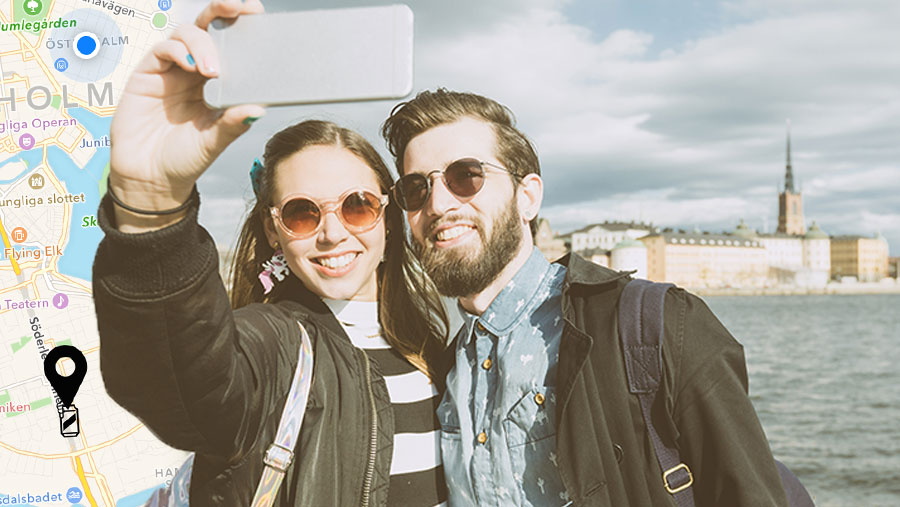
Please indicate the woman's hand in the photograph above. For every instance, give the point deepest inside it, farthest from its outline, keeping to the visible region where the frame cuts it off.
(163, 135)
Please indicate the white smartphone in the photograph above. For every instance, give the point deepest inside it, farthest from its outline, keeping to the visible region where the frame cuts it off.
(303, 57)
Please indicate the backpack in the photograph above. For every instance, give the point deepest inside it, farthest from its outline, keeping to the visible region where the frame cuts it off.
(640, 317)
(278, 456)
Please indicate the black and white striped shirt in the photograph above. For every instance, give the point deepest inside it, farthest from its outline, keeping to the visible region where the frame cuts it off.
(417, 476)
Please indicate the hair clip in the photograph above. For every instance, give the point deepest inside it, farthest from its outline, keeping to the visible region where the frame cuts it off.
(256, 175)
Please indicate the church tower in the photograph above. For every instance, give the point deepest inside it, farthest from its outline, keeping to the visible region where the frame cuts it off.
(790, 203)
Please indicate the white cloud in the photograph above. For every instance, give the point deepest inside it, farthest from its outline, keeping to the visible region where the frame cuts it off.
(848, 181)
(710, 113)
(659, 208)
(703, 122)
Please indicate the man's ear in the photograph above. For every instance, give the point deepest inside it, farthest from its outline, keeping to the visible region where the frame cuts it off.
(269, 229)
(530, 194)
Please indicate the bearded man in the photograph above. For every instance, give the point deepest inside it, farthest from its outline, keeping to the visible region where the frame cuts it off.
(537, 409)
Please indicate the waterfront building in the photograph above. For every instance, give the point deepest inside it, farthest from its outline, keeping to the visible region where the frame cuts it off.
(894, 267)
(859, 257)
(790, 202)
(783, 251)
(816, 249)
(607, 235)
(794, 260)
(597, 256)
(629, 255)
(703, 260)
(552, 246)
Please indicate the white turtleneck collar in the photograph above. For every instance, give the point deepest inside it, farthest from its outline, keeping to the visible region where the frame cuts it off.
(359, 320)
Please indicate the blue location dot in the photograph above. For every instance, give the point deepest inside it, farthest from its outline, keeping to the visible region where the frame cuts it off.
(61, 64)
(87, 45)
(165, 5)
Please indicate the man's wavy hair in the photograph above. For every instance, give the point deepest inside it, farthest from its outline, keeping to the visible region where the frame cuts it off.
(430, 109)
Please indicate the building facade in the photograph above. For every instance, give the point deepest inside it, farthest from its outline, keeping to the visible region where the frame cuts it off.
(607, 235)
(547, 242)
(860, 257)
(701, 260)
(629, 255)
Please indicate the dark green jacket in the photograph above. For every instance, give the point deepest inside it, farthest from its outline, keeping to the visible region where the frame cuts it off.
(213, 381)
(605, 454)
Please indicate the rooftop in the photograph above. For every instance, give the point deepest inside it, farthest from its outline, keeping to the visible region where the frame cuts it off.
(707, 239)
(617, 226)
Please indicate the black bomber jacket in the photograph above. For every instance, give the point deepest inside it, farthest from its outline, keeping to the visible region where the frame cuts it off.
(214, 381)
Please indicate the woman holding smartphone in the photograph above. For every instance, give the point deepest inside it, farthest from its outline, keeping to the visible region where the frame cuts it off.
(322, 247)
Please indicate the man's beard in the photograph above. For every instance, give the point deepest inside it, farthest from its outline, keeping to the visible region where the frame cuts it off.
(456, 272)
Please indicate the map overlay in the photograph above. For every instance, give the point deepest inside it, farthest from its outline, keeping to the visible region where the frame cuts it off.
(63, 64)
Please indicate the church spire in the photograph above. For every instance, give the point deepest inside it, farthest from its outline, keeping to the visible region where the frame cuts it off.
(790, 202)
(788, 173)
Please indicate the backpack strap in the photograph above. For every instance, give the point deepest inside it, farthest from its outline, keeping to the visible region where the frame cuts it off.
(280, 454)
(640, 316)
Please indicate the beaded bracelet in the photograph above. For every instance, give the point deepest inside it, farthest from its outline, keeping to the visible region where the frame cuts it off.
(183, 206)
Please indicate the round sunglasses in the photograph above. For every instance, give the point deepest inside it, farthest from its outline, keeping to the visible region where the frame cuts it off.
(301, 217)
(464, 177)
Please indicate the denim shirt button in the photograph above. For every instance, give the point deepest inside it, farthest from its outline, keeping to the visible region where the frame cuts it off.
(487, 364)
(539, 398)
(482, 437)
(480, 327)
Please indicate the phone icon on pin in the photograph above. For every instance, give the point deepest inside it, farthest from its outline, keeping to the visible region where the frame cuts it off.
(68, 422)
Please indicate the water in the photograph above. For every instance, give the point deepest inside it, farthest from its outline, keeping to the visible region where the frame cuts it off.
(78, 256)
(825, 380)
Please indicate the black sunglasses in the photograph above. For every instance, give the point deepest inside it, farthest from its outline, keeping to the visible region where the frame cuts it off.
(464, 177)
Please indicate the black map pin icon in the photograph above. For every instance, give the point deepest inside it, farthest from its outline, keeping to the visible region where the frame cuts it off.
(66, 387)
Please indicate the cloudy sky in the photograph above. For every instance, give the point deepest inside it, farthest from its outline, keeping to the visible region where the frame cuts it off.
(657, 110)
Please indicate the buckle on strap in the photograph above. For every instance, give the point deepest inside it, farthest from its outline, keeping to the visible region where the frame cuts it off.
(278, 457)
(672, 489)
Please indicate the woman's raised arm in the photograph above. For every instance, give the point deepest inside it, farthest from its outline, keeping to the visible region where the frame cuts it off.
(163, 135)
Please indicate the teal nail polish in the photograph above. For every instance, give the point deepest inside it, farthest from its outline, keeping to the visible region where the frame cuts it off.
(250, 119)
(190, 59)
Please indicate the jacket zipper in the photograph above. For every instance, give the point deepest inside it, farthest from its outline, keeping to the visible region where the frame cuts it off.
(373, 437)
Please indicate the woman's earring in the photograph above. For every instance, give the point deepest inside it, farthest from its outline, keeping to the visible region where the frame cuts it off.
(274, 270)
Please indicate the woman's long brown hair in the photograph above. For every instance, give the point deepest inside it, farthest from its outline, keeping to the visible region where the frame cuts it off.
(410, 312)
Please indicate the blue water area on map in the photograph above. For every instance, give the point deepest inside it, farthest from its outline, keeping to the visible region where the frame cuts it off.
(98, 126)
(137, 499)
(78, 255)
(4, 496)
(31, 157)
